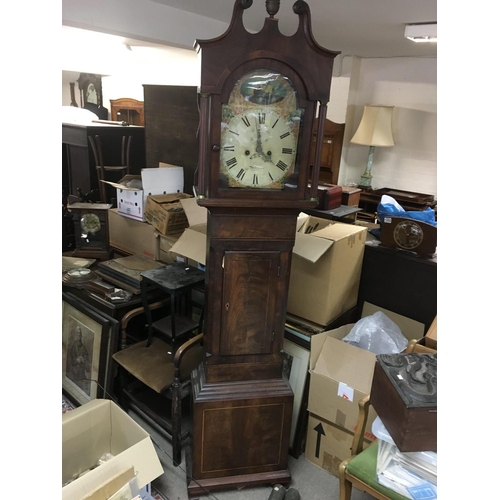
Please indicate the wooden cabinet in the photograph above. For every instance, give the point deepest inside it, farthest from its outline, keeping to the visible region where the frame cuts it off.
(171, 121)
(333, 137)
(127, 110)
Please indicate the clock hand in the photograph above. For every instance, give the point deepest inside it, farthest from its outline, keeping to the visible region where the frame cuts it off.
(259, 151)
(259, 139)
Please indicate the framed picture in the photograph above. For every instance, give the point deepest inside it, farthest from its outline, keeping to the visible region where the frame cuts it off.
(296, 370)
(88, 342)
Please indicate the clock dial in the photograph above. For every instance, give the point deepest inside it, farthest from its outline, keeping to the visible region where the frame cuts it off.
(258, 149)
(408, 235)
(90, 223)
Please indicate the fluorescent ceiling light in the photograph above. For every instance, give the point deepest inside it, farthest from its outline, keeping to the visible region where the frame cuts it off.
(423, 32)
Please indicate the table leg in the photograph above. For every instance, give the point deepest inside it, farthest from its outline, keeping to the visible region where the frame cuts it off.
(145, 304)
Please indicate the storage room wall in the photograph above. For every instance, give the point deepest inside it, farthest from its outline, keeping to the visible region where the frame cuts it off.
(124, 70)
(409, 84)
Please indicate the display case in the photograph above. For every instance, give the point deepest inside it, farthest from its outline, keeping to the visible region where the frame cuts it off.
(127, 110)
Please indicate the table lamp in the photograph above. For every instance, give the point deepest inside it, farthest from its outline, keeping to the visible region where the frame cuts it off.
(375, 129)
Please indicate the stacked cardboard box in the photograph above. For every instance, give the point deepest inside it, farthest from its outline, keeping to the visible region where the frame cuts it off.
(341, 375)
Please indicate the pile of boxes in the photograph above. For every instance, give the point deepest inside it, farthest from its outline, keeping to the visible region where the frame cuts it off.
(149, 217)
(347, 373)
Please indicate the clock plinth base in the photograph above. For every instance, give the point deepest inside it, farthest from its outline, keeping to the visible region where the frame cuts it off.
(241, 433)
(201, 487)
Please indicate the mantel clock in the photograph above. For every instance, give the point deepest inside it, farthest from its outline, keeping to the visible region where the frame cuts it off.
(91, 230)
(259, 97)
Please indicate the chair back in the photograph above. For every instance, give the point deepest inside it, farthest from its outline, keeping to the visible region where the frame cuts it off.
(124, 168)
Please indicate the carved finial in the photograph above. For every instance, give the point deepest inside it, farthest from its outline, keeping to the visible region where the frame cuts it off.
(299, 6)
(272, 7)
(246, 3)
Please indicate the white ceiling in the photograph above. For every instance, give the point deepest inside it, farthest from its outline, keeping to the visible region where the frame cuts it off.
(365, 28)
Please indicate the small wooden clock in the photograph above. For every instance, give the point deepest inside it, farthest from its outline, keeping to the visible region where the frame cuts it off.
(260, 94)
(91, 230)
(409, 234)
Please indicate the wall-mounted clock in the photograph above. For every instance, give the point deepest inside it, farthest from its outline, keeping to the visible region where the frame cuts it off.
(91, 230)
(259, 97)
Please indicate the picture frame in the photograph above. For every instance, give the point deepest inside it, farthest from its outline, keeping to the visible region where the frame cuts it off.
(89, 337)
(296, 370)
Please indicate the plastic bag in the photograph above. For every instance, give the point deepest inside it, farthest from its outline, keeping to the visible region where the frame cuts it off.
(388, 207)
(378, 334)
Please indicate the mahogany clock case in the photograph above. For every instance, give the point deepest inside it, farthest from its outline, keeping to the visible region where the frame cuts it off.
(232, 59)
(250, 83)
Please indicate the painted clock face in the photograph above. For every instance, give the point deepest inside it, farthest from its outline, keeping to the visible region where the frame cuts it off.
(260, 132)
(408, 235)
(90, 223)
(258, 148)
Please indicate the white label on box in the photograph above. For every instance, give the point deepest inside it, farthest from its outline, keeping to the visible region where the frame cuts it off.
(345, 392)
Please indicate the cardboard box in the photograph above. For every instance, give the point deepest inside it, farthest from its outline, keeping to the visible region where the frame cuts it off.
(165, 213)
(326, 269)
(97, 428)
(327, 445)
(131, 236)
(431, 337)
(165, 249)
(344, 372)
(131, 200)
(193, 241)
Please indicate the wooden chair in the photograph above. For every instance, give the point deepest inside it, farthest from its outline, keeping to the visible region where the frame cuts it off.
(153, 364)
(124, 168)
(360, 470)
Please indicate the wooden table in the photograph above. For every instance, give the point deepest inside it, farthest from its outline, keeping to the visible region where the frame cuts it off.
(177, 280)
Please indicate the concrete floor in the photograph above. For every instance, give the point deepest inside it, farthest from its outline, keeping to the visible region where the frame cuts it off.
(312, 482)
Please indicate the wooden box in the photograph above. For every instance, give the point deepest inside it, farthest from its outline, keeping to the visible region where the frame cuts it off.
(329, 196)
(404, 396)
(351, 196)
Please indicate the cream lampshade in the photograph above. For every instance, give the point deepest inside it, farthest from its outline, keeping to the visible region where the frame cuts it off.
(375, 129)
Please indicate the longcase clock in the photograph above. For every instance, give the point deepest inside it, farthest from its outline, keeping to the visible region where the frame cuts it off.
(259, 97)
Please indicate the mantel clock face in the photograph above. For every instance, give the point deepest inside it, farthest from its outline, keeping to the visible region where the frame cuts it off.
(260, 132)
(90, 224)
(408, 234)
